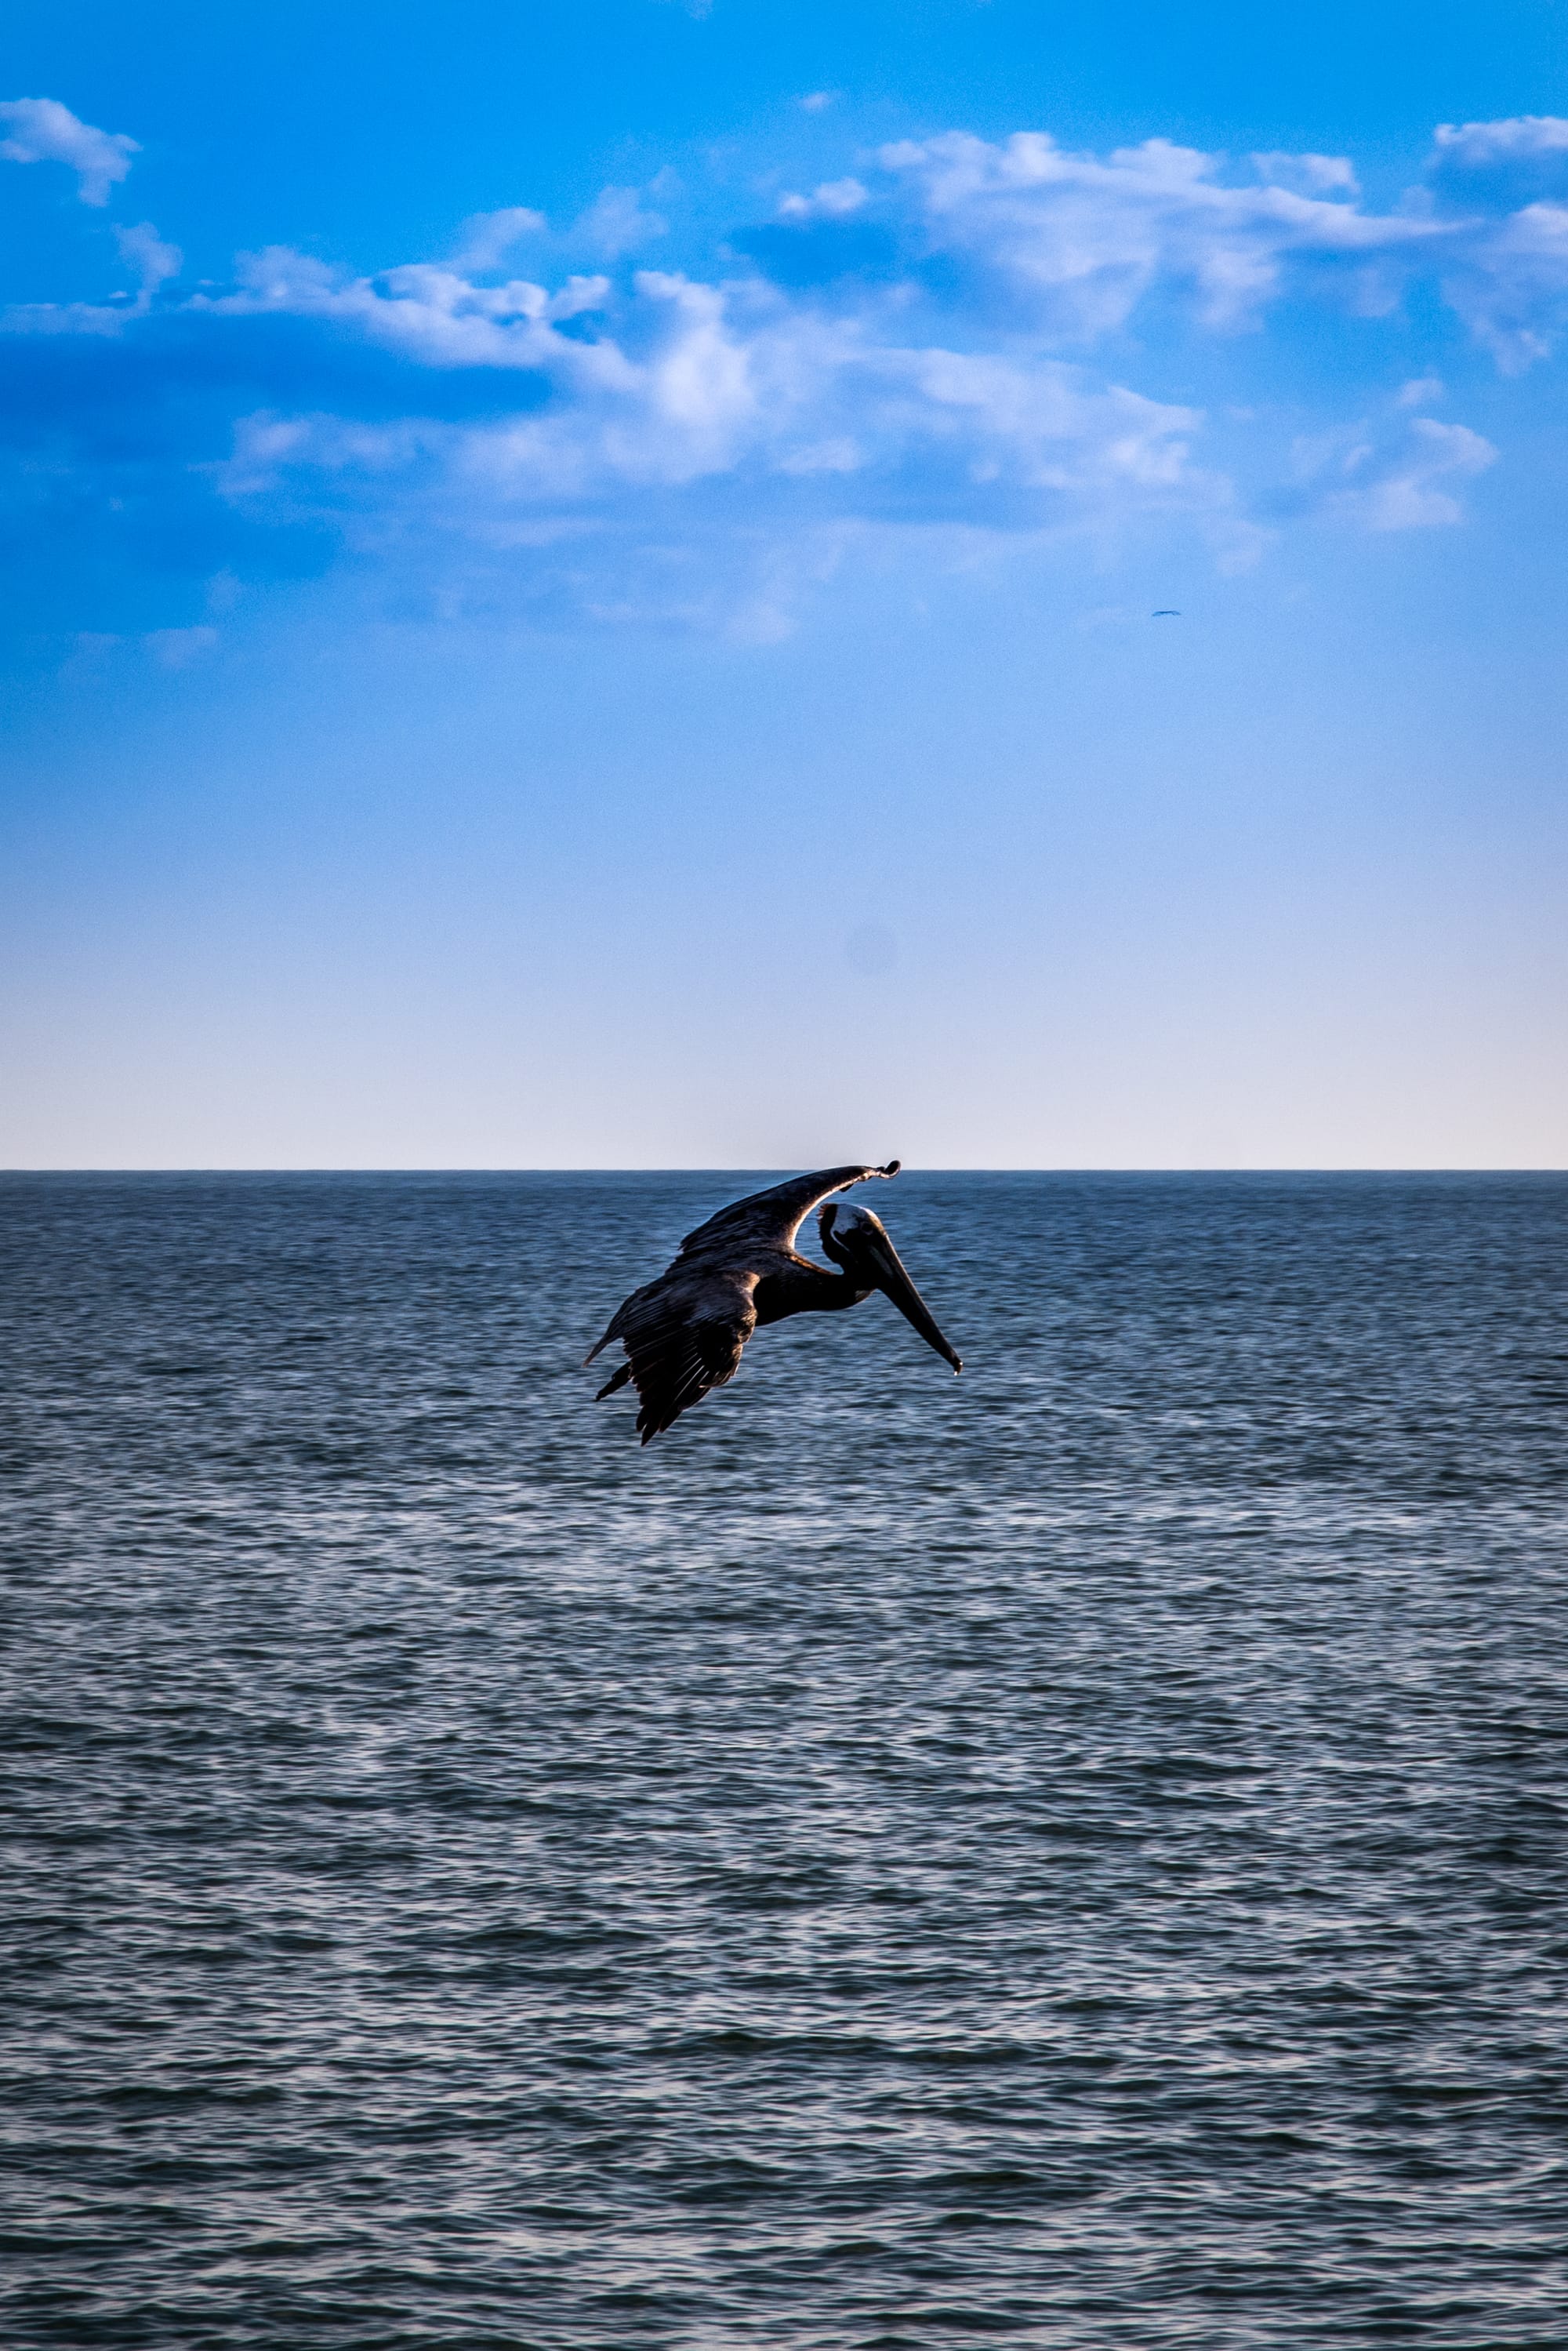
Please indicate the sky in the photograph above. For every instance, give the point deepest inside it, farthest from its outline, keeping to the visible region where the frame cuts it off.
(620, 583)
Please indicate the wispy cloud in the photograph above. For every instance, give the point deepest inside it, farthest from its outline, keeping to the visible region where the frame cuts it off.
(489, 237)
(178, 648)
(1394, 472)
(1078, 242)
(1527, 141)
(618, 221)
(1509, 284)
(42, 131)
(154, 260)
(834, 200)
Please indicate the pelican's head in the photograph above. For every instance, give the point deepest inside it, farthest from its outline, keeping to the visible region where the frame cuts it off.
(859, 1242)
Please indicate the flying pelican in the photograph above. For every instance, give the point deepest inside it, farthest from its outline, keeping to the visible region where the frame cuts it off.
(684, 1333)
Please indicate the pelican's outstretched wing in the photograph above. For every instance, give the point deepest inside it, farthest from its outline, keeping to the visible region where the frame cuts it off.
(770, 1220)
(683, 1335)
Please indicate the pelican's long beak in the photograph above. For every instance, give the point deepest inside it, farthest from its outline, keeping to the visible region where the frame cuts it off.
(886, 1269)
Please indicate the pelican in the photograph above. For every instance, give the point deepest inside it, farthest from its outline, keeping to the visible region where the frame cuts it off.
(684, 1333)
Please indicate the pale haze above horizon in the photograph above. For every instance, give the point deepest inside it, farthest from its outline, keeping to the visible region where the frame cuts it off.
(764, 584)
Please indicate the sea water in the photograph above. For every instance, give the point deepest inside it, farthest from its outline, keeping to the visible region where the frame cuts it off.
(1072, 1854)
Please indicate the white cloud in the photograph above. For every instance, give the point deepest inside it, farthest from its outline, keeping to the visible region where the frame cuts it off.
(758, 403)
(1484, 146)
(1408, 496)
(815, 100)
(42, 131)
(834, 200)
(489, 237)
(1038, 423)
(1510, 284)
(1071, 244)
(1403, 477)
(107, 319)
(664, 441)
(701, 381)
(578, 296)
(1083, 241)
(733, 391)
(435, 317)
(154, 261)
(618, 221)
(1307, 175)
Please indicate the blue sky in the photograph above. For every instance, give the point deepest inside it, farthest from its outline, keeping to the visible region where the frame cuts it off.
(580, 585)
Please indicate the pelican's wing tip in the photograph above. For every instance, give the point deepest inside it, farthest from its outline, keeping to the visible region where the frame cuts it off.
(892, 1168)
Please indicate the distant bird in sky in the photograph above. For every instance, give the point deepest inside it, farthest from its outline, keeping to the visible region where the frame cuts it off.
(684, 1333)
(1166, 612)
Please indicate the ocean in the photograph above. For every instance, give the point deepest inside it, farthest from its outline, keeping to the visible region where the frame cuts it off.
(1071, 1856)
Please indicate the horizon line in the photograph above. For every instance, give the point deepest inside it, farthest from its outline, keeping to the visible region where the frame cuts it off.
(1064, 1168)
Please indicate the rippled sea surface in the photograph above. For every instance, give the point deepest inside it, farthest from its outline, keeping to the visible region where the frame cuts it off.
(1072, 1854)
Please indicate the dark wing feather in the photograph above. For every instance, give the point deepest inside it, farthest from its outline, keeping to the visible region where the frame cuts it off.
(771, 1219)
(683, 1335)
